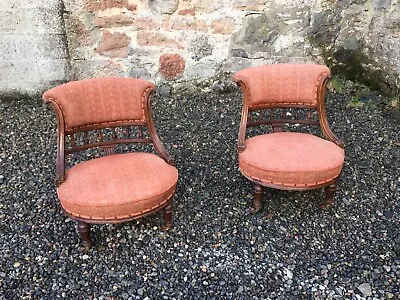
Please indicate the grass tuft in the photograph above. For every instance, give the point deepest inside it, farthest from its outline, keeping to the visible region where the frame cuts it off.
(355, 102)
(336, 84)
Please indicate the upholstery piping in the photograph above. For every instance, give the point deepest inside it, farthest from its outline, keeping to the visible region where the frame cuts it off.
(124, 216)
(285, 184)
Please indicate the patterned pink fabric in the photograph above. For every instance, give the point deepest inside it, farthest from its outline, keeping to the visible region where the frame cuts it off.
(117, 186)
(98, 100)
(282, 83)
(291, 159)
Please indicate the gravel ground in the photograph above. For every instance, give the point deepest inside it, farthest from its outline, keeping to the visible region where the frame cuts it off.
(216, 249)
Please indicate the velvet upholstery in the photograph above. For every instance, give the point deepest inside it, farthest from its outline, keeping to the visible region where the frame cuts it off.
(295, 84)
(117, 186)
(98, 100)
(291, 159)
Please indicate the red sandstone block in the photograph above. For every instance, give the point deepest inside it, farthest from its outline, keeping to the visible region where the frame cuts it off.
(146, 23)
(187, 12)
(113, 21)
(114, 44)
(158, 39)
(100, 5)
(172, 66)
(131, 7)
(223, 26)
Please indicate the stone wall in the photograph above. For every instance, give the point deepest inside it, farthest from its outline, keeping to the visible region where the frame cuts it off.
(33, 52)
(170, 41)
(360, 39)
(186, 39)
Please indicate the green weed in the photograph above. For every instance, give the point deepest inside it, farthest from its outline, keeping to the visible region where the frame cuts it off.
(394, 102)
(336, 84)
(355, 102)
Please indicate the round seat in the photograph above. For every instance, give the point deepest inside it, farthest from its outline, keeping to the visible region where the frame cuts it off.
(291, 159)
(117, 186)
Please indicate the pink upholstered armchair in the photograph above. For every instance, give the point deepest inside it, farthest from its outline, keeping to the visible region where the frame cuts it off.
(279, 95)
(103, 113)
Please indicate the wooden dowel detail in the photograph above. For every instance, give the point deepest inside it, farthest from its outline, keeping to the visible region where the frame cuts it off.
(127, 131)
(72, 136)
(99, 135)
(86, 137)
(140, 132)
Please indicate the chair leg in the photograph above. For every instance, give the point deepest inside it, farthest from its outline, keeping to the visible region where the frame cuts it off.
(257, 202)
(168, 216)
(84, 231)
(329, 193)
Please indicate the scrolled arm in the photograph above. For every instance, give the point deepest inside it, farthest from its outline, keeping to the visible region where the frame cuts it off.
(158, 145)
(323, 120)
(60, 160)
(245, 111)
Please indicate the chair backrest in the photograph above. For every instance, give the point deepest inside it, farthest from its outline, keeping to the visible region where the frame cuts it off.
(100, 102)
(286, 94)
(283, 85)
(103, 112)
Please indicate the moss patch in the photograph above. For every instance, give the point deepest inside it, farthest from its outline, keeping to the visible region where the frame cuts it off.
(355, 102)
(357, 66)
(349, 58)
(336, 84)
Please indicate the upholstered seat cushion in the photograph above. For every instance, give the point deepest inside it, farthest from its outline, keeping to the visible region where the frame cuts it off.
(117, 186)
(291, 159)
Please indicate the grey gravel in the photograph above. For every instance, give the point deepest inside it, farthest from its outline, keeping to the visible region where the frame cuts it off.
(365, 289)
(215, 249)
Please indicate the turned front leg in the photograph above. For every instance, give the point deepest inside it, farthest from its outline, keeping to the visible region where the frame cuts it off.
(329, 193)
(84, 231)
(168, 216)
(257, 202)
